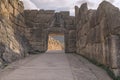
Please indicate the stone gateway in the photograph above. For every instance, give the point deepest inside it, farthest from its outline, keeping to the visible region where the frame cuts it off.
(94, 34)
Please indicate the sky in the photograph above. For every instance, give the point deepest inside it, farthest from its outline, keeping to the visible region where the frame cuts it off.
(64, 5)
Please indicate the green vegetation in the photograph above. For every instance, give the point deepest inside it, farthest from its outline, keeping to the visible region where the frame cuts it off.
(3, 65)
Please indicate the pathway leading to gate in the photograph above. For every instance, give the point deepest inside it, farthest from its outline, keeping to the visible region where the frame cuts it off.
(53, 65)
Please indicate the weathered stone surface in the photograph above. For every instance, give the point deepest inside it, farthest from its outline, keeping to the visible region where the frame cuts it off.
(44, 22)
(91, 33)
(97, 37)
(12, 42)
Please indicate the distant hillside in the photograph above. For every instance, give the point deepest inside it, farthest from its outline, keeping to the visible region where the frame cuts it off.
(54, 44)
(60, 38)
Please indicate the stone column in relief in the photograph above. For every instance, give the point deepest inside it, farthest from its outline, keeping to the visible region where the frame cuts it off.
(114, 50)
(66, 34)
(76, 14)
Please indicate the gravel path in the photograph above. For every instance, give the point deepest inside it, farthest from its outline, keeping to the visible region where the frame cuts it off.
(53, 65)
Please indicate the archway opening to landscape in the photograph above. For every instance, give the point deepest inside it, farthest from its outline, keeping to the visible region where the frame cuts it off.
(56, 42)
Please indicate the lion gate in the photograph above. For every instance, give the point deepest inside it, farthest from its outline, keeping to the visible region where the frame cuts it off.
(44, 22)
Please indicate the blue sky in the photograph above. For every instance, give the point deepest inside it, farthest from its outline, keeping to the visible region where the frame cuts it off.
(64, 5)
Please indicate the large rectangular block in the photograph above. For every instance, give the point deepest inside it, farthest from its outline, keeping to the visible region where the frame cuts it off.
(114, 50)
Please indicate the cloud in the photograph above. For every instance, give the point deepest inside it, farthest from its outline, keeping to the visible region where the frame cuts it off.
(90, 4)
(63, 9)
(52, 4)
(93, 4)
(58, 5)
(112, 1)
(29, 4)
(64, 5)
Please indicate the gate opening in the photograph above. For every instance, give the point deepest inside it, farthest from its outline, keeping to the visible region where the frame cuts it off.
(56, 42)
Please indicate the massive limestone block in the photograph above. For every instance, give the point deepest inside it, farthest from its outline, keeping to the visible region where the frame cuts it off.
(98, 34)
(13, 44)
(70, 41)
(41, 23)
(111, 15)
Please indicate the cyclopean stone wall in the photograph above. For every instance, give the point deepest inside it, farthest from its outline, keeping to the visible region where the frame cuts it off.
(12, 41)
(37, 22)
(98, 34)
(94, 34)
(22, 32)
(41, 23)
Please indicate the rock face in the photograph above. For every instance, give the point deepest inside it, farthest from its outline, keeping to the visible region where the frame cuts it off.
(12, 41)
(98, 34)
(94, 34)
(27, 31)
(54, 44)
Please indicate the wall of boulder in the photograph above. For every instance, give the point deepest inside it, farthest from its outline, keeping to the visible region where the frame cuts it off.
(13, 44)
(94, 34)
(98, 34)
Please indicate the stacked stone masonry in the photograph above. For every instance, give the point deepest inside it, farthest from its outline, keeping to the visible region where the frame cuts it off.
(94, 34)
(41, 23)
(12, 40)
(26, 31)
(98, 34)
